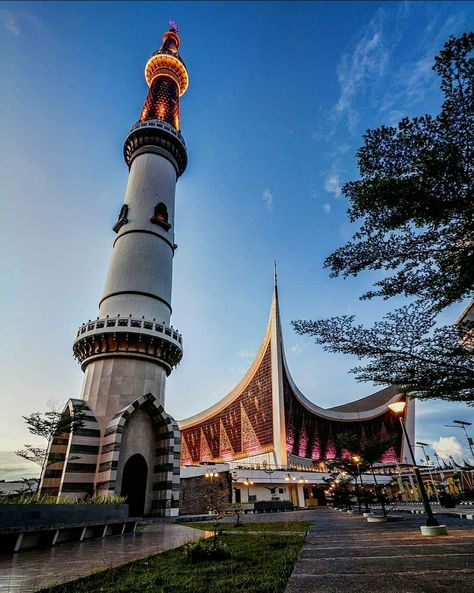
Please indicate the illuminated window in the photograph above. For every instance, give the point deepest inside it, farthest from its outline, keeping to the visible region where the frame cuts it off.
(160, 216)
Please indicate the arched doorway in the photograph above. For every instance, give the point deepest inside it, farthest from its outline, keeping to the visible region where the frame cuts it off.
(134, 484)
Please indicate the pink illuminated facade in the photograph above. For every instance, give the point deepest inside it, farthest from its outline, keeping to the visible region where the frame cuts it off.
(265, 420)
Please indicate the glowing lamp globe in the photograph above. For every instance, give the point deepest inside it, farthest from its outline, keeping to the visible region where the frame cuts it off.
(397, 407)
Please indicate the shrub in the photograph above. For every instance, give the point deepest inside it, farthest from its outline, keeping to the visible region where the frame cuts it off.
(51, 499)
(202, 550)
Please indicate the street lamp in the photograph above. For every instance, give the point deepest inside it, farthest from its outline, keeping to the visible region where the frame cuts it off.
(211, 474)
(356, 459)
(462, 425)
(423, 445)
(248, 483)
(432, 526)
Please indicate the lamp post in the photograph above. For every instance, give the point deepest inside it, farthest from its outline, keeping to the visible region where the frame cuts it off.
(235, 478)
(462, 425)
(211, 474)
(423, 445)
(403, 491)
(432, 525)
(356, 459)
(248, 483)
(379, 495)
(269, 471)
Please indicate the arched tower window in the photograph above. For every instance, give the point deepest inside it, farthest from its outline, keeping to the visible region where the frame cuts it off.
(122, 219)
(160, 216)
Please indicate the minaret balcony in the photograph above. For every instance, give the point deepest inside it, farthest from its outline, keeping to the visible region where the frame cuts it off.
(158, 123)
(127, 336)
(156, 135)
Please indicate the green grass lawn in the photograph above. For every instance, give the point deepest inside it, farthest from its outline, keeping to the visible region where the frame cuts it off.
(259, 564)
(293, 526)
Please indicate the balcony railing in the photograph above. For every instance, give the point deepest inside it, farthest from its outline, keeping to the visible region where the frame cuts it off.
(129, 322)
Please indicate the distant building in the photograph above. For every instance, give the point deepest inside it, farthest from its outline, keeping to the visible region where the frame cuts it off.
(13, 487)
(467, 319)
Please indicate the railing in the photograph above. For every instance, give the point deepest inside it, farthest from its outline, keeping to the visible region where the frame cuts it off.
(157, 123)
(167, 52)
(122, 322)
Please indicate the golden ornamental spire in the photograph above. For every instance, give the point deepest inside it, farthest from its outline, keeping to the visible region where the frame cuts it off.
(167, 78)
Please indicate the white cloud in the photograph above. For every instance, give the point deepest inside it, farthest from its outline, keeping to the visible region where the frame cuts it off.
(420, 77)
(343, 148)
(447, 447)
(359, 67)
(410, 83)
(267, 198)
(296, 349)
(394, 117)
(327, 208)
(246, 354)
(332, 184)
(10, 23)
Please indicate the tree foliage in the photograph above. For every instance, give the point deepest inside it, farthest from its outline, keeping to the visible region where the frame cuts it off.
(49, 425)
(415, 196)
(414, 202)
(370, 451)
(403, 349)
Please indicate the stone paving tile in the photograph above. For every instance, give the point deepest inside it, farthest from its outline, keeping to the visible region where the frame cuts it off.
(31, 570)
(400, 550)
(420, 582)
(345, 554)
(391, 564)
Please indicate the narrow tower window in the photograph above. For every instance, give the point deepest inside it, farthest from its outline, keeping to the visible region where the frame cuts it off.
(122, 219)
(160, 216)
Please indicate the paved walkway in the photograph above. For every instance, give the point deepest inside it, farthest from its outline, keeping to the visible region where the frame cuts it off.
(345, 554)
(31, 570)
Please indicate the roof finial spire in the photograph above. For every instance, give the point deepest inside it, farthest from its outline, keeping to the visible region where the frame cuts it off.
(275, 283)
(173, 26)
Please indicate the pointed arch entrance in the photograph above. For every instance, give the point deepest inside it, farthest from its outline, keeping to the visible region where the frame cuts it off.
(160, 449)
(135, 473)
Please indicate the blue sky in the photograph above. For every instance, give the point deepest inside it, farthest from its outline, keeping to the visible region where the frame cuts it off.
(280, 94)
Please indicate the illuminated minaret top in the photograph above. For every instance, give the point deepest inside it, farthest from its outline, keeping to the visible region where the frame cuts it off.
(167, 78)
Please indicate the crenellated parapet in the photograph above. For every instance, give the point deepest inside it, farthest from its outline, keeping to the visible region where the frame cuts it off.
(126, 336)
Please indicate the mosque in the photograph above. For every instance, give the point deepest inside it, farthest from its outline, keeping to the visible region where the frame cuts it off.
(128, 444)
(265, 421)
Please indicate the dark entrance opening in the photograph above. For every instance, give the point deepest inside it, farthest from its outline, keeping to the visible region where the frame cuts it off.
(134, 484)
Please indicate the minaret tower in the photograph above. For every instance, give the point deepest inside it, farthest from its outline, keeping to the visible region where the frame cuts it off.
(131, 348)
(128, 445)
